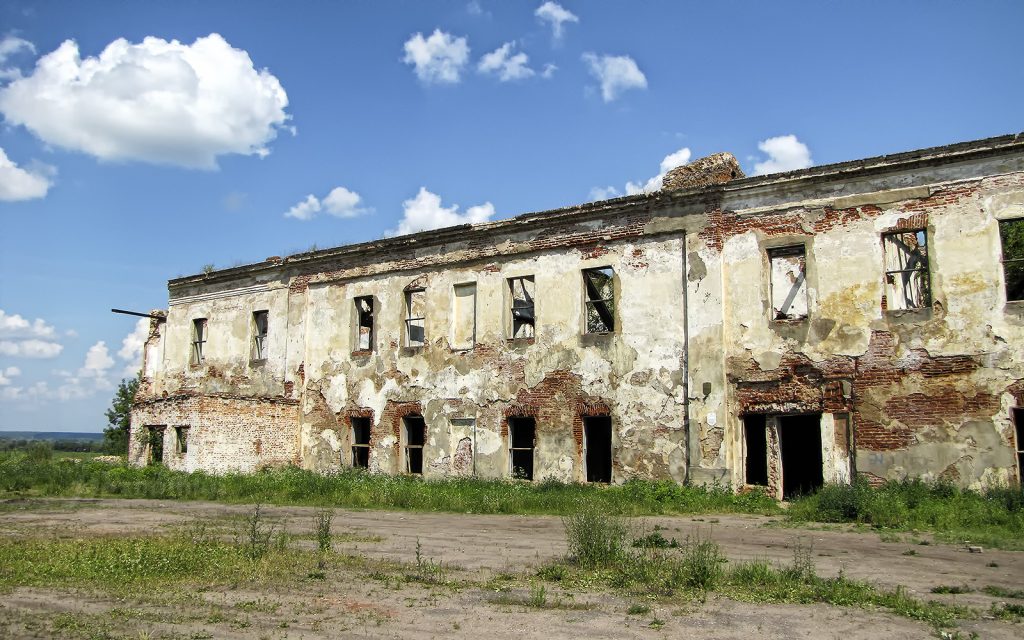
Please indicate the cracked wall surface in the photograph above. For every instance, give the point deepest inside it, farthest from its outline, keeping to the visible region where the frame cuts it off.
(699, 342)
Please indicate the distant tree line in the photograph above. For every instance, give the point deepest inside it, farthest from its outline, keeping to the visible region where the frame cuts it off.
(79, 446)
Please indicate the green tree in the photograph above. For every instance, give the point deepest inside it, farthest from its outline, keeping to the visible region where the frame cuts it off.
(119, 415)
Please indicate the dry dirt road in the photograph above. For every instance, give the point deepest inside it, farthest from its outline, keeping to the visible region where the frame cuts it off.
(478, 551)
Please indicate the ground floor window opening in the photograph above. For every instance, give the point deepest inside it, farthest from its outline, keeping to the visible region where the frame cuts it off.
(155, 444)
(1017, 414)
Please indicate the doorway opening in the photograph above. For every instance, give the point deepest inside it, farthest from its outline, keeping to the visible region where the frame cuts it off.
(360, 442)
(415, 435)
(800, 446)
(597, 438)
(156, 445)
(756, 463)
(521, 436)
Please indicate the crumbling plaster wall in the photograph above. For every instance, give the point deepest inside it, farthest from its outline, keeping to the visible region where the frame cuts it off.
(634, 373)
(929, 390)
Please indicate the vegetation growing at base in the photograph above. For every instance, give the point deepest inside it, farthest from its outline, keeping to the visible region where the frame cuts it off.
(699, 567)
(20, 476)
(994, 517)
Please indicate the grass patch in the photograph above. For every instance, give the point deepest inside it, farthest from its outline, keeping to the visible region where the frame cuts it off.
(952, 588)
(994, 517)
(21, 476)
(1000, 592)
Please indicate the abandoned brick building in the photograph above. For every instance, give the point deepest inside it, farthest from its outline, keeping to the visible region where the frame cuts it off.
(785, 330)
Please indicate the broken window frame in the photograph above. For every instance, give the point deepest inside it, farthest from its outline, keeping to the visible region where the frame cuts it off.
(410, 319)
(181, 440)
(364, 319)
(522, 310)
(155, 444)
(890, 242)
(462, 346)
(786, 252)
(513, 426)
(357, 445)
(199, 333)
(260, 330)
(1011, 232)
(603, 307)
(407, 430)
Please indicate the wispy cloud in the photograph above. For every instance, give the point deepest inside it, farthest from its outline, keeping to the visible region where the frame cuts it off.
(505, 64)
(556, 15)
(615, 73)
(17, 183)
(669, 162)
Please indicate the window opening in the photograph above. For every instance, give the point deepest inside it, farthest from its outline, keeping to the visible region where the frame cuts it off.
(800, 446)
(360, 442)
(522, 312)
(597, 434)
(907, 284)
(415, 435)
(415, 312)
(260, 323)
(198, 340)
(755, 434)
(600, 299)
(464, 316)
(788, 282)
(181, 439)
(155, 437)
(1011, 234)
(364, 323)
(522, 433)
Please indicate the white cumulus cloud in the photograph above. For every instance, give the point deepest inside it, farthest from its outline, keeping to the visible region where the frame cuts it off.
(155, 101)
(97, 361)
(556, 15)
(32, 348)
(506, 65)
(785, 153)
(15, 326)
(669, 162)
(438, 59)
(615, 73)
(424, 212)
(340, 203)
(131, 348)
(20, 184)
(7, 374)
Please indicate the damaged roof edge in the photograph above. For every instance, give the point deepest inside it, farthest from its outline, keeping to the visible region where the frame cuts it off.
(932, 155)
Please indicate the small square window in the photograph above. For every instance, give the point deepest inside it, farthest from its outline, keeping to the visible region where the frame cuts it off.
(907, 282)
(198, 340)
(600, 299)
(522, 307)
(1011, 234)
(260, 323)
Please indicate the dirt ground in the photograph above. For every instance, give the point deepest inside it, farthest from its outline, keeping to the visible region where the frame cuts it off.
(478, 550)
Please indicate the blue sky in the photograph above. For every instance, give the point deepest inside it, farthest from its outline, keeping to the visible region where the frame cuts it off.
(142, 140)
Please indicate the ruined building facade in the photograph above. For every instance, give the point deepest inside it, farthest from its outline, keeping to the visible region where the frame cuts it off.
(784, 330)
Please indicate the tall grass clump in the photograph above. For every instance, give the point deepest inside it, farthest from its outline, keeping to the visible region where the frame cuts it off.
(595, 540)
(994, 516)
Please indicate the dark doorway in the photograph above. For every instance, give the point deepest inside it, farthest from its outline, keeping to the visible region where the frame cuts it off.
(415, 435)
(521, 436)
(360, 442)
(1018, 422)
(756, 464)
(156, 445)
(800, 445)
(597, 434)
